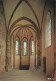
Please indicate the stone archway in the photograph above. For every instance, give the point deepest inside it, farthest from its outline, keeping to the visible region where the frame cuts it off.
(17, 27)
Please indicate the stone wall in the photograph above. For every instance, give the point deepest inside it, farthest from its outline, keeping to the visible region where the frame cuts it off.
(48, 52)
(55, 48)
(2, 39)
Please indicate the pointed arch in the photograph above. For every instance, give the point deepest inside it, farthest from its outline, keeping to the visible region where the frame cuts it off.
(30, 8)
(24, 18)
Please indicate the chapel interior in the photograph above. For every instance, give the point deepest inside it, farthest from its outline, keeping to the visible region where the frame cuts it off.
(28, 40)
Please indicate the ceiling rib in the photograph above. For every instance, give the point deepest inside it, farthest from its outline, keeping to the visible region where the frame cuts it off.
(30, 8)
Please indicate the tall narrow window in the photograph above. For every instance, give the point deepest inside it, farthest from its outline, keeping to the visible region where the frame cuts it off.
(25, 48)
(32, 47)
(48, 30)
(17, 45)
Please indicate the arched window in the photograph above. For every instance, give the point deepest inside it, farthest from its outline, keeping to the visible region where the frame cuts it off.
(32, 47)
(17, 46)
(48, 30)
(24, 48)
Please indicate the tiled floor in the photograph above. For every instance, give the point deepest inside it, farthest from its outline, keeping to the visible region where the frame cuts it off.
(23, 75)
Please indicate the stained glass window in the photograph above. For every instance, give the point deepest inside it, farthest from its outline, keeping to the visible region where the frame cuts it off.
(32, 47)
(17, 45)
(25, 48)
(48, 30)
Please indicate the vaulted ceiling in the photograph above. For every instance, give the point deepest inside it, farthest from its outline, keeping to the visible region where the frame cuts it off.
(32, 9)
(24, 32)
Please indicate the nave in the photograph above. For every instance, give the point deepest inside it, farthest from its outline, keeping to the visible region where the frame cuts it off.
(27, 40)
(23, 75)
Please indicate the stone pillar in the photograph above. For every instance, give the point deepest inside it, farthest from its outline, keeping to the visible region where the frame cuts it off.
(28, 52)
(35, 50)
(38, 53)
(41, 51)
(14, 45)
(11, 51)
(7, 53)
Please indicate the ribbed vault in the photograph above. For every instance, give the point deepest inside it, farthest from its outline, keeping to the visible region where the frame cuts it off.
(20, 8)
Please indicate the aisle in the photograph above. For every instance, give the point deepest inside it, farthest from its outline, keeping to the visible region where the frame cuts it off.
(23, 75)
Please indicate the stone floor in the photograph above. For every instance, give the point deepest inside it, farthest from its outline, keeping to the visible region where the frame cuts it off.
(23, 75)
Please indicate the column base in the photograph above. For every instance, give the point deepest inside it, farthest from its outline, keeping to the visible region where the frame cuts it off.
(8, 68)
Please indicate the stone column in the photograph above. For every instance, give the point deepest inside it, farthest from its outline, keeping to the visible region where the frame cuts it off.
(7, 53)
(38, 53)
(28, 52)
(35, 49)
(14, 45)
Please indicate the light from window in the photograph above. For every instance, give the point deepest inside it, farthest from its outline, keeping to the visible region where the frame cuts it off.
(25, 48)
(32, 47)
(48, 30)
(17, 45)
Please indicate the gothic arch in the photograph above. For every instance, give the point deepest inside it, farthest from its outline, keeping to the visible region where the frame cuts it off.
(30, 8)
(27, 19)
